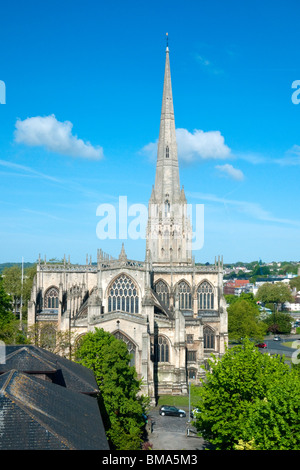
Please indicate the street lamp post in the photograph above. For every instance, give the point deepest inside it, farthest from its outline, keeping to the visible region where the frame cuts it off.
(189, 402)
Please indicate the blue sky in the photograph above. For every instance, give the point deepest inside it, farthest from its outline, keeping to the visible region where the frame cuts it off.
(83, 97)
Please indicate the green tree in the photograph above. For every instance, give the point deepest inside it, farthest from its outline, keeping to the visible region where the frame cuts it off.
(249, 399)
(12, 281)
(243, 320)
(120, 406)
(9, 327)
(248, 296)
(274, 293)
(29, 274)
(281, 324)
(295, 282)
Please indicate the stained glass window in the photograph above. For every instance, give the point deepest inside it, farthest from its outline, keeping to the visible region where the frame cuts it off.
(185, 297)
(123, 295)
(162, 291)
(51, 298)
(205, 294)
(209, 338)
(162, 349)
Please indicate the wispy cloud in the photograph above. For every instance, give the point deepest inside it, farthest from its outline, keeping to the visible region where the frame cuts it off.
(28, 170)
(43, 214)
(251, 209)
(207, 65)
(55, 136)
(230, 171)
(291, 157)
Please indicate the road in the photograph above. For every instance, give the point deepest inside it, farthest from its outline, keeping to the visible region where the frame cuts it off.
(170, 433)
(277, 347)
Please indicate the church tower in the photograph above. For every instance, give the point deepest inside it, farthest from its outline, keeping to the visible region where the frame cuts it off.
(169, 232)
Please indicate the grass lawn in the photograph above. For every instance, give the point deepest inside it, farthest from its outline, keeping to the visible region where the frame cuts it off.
(178, 400)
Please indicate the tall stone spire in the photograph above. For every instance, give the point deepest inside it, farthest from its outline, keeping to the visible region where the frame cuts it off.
(167, 185)
(169, 232)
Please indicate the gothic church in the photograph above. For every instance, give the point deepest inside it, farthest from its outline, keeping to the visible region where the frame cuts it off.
(170, 312)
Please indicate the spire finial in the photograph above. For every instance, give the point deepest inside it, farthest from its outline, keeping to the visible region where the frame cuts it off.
(167, 39)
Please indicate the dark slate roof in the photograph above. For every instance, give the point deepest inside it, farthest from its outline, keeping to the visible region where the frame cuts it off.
(34, 360)
(39, 415)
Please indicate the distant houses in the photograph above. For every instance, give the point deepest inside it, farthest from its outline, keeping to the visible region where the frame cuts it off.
(238, 286)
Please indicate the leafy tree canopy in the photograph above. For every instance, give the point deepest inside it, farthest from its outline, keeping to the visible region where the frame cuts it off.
(244, 321)
(279, 323)
(295, 282)
(9, 327)
(249, 400)
(117, 380)
(274, 293)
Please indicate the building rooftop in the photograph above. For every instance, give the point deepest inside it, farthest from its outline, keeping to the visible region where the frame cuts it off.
(34, 360)
(37, 414)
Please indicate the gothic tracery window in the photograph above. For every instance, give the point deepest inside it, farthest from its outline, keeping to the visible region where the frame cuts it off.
(162, 349)
(51, 298)
(185, 297)
(167, 151)
(162, 291)
(123, 295)
(205, 294)
(209, 338)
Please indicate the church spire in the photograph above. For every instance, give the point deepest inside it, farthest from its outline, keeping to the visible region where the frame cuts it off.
(167, 185)
(169, 232)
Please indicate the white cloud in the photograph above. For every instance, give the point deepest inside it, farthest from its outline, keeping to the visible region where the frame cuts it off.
(55, 136)
(198, 145)
(230, 171)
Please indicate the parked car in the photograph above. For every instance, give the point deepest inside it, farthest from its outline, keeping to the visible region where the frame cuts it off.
(276, 338)
(261, 345)
(193, 413)
(166, 410)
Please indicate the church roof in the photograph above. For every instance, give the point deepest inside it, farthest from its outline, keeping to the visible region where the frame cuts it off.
(34, 360)
(39, 415)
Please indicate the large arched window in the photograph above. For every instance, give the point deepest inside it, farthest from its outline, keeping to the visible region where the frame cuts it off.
(185, 297)
(162, 349)
(130, 345)
(162, 291)
(205, 294)
(123, 295)
(209, 338)
(51, 298)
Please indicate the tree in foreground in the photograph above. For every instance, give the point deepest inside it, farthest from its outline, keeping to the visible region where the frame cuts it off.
(121, 408)
(249, 400)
